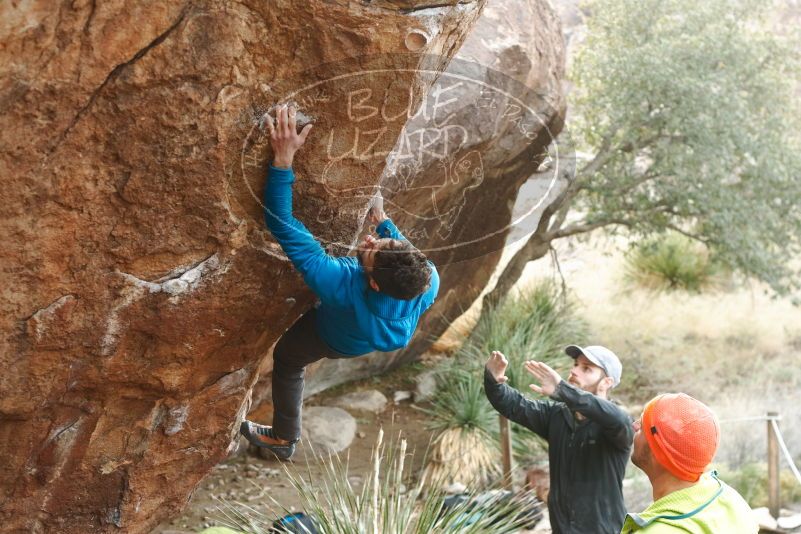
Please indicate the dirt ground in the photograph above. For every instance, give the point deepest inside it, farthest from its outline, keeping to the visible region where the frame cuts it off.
(254, 481)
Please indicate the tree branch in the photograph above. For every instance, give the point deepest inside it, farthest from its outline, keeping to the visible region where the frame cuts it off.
(583, 228)
(601, 157)
(685, 233)
(561, 215)
(606, 151)
(534, 248)
(625, 188)
(555, 260)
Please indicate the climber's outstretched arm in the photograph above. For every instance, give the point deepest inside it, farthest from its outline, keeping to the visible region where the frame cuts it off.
(325, 275)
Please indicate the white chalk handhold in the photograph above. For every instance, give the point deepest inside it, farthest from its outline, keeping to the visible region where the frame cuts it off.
(401, 396)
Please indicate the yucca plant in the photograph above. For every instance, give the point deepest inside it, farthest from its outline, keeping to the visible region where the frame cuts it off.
(460, 401)
(671, 262)
(464, 450)
(533, 324)
(382, 506)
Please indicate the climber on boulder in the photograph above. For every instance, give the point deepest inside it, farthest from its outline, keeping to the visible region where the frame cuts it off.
(371, 302)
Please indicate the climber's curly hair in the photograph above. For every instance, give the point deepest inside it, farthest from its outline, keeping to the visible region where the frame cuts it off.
(400, 270)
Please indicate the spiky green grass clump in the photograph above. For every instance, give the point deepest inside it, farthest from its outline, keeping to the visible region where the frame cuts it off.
(389, 503)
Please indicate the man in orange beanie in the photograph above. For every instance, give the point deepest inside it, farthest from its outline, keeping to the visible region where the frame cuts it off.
(675, 440)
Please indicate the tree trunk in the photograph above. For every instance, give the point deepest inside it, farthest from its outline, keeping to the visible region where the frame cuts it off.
(534, 249)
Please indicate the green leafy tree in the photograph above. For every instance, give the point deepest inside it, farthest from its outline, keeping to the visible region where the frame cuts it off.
(689, 113)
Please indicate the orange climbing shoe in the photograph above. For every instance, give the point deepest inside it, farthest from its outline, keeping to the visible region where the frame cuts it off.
(263, 437)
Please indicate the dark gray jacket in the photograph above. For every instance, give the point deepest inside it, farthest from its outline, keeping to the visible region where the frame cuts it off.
(587, 458)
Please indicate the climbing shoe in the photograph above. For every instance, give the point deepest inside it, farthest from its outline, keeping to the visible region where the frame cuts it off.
(263, 437)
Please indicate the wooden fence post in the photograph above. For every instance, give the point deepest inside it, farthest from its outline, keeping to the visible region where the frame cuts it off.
(774, 502)
(506, 453)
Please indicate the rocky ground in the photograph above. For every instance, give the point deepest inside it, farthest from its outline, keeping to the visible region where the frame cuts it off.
(252, 480)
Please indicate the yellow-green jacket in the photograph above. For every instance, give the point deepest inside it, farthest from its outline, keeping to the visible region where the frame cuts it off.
(708, 507)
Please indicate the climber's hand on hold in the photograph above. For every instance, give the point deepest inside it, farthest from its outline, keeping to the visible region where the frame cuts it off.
(284, 136)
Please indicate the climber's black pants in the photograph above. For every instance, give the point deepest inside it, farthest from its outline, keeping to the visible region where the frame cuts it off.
(297, 348)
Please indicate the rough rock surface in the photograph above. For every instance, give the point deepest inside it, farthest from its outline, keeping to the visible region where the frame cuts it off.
(140, 289)
(328, 429)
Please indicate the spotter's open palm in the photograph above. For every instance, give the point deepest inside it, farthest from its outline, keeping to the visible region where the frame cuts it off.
(496, 365)
(547, 377)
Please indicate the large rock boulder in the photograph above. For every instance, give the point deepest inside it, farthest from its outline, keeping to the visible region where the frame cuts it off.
(365, 401)
(141, 289)
(487, 126)
(328, 429)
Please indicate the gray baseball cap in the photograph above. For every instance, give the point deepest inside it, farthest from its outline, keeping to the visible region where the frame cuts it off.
(600, 356)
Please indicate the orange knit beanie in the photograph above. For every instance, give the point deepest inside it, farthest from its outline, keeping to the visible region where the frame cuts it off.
(683, 434)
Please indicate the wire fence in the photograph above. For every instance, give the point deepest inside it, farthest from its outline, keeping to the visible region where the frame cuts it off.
(773, 421)
(747, 419)
(785, 450)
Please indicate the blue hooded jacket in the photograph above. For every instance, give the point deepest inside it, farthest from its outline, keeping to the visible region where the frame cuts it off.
(352, 319)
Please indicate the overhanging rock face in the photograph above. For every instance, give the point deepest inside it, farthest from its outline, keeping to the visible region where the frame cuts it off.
(454, 175)
(141, 289)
